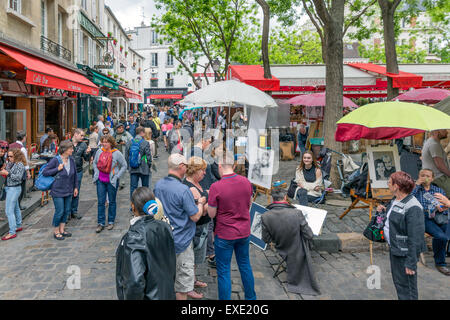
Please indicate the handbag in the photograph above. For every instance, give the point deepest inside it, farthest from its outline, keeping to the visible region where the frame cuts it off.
(374, 230)
(292, 188)
(44, 183)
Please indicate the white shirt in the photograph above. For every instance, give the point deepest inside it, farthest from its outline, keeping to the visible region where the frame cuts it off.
(25, 153)
(386, 225)
(100, 126)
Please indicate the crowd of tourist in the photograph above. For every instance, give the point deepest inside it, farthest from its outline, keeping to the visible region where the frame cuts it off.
(200, 211)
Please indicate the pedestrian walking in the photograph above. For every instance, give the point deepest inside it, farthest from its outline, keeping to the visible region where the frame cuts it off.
(183, 212)
(174, 138)
(14, 172)
(64, 188)
(404, 230)
(229, 202)
(122, 139)
(131, 125)
(139, 159)
(145, 258)
(195, 173)
(109, 167)
(81, 153)
(21, 140)
(93, 141)
(148, 138)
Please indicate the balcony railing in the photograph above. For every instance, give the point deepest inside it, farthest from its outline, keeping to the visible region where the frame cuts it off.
(55, 49)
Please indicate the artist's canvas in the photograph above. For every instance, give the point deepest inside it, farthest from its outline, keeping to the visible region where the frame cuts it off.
(256, 211)
(383, 161)
(260, 168)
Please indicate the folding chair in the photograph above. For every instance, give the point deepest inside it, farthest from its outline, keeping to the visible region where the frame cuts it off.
(281, 265)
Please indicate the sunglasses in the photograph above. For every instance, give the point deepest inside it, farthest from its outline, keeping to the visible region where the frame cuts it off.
(10, 156)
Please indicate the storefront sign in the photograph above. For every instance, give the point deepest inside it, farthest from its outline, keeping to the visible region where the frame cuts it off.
(90, 27)
(41, 114)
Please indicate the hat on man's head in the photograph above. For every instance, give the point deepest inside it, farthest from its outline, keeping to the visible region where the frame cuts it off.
(120, 124)
(176, 159)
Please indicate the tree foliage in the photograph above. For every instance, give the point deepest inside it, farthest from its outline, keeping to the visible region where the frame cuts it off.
(203, 28)
(286, 46)
(405, 54)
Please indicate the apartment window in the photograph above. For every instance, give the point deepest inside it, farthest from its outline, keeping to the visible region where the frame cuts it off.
(154, 37)
(16, 5)
(43, 18)
(84, 4)
(169, 80)
(60, 28)
(154, 59)
(169, 60)
(81, 47)
(94, 11)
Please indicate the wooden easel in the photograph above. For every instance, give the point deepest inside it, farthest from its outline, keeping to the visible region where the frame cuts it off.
(378, 195)
(265, 191)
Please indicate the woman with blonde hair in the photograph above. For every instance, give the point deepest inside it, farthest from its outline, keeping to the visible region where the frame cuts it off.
(308, 177)
(195, 173)
(14, 172)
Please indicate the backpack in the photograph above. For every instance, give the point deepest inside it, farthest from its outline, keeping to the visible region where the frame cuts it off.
(134, 154)
(104, 163)
(44, 183)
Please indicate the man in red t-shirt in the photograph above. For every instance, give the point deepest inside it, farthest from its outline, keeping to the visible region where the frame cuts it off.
(229, 202)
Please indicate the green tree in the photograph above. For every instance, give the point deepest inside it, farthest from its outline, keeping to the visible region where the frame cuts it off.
(405, 54)
(203, 28)
(286, 46)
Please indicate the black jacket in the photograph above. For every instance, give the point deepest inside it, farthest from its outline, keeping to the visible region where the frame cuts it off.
(150, 124)
(406, 230)
(79, 154)
(146, 262)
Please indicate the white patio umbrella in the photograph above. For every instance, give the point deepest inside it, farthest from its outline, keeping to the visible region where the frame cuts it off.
(229, 93)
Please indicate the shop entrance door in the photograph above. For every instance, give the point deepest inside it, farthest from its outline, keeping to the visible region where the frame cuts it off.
(11, 121)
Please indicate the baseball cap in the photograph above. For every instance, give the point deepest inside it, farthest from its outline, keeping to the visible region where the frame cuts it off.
(177, 159)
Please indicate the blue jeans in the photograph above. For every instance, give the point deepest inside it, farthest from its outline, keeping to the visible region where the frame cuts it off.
(62, 210)
(224, 252)
(303, 197)
(103, 189)
(439, 240)
(134, 181)
(77, 198)
(12, 208)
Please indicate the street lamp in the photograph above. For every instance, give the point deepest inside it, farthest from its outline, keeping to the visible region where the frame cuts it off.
(216, 66)
(122, 68)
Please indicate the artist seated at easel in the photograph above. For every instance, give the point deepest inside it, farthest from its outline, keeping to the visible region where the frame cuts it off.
(287, 227)
(308, 177)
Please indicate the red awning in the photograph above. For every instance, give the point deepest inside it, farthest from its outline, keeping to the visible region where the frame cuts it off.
(131, 94)
(165, 96)
(404, 80)
(46, 74)
(254, 76)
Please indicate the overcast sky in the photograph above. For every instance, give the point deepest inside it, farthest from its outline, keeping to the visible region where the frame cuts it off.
(129, 12)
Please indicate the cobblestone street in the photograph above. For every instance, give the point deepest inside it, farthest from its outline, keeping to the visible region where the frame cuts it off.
(35, 266)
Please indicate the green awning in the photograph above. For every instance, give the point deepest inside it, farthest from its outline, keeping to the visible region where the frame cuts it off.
(103, 81)
(98, 78)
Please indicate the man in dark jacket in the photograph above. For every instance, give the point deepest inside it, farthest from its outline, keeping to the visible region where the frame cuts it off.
(81, 153)
(155, 133)
(143, 172)
(131, 125)
(145, 258)
(286, 226)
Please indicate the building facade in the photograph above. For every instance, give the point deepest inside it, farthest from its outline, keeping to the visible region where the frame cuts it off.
(163, 82)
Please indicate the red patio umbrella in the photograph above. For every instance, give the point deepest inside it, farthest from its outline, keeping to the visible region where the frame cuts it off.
(424, 95)
(317, 99)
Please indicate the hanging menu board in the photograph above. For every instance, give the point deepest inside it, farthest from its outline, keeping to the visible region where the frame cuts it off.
(41, 114)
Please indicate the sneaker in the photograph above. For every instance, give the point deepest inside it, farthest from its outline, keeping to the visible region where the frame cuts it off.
(110, 226)
(212, 262)
(75, 216)
(99, 228)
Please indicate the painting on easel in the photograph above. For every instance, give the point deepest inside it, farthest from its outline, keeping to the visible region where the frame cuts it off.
(261, 167)
(383, 161)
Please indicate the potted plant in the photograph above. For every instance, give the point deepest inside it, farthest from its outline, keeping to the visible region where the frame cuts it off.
(110, 74)
(126, 53)
(116, 76)
(109, 34)
(139, 70)
(121, 48)
(115, 41)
